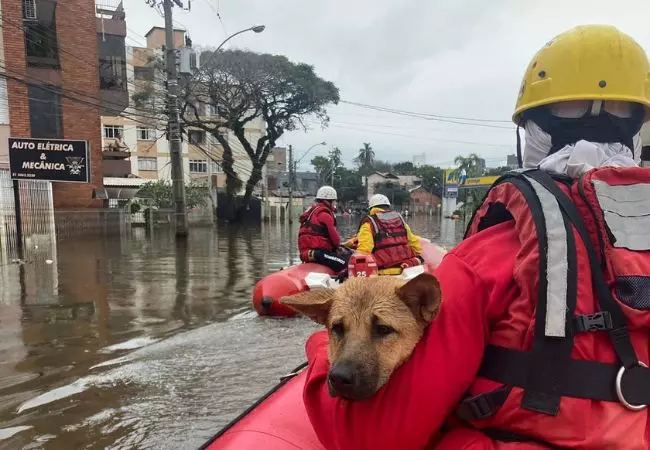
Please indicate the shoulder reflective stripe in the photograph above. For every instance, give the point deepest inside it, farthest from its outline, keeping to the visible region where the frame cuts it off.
(390, 215)
(626, 210)
(373, 224)
(557, 264)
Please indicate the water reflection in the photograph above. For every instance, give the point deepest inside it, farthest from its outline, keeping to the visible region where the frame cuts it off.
(106, 346)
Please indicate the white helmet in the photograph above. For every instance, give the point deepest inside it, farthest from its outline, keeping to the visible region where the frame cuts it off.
(378, 200)
(326, 193)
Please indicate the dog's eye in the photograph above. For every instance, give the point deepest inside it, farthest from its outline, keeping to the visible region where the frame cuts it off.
(338, 329)
(383, 330)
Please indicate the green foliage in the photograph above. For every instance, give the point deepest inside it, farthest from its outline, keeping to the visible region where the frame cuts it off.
(365, 160)
(397, 195)
(497, 171)
(245, 86)
(348, 185)
(473, 164)
(135, 207)
(432, 178)
(160, 193)
(404, 168)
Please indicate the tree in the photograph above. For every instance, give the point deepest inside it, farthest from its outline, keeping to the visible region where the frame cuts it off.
(497, 171)
(432, 178)
(473, 164)
(348, 185)
(404, 168)
(397, 195)
(323, 167)
(335, 158)
(382, 166)
(160, 193)
(243, 86)
(365, 160)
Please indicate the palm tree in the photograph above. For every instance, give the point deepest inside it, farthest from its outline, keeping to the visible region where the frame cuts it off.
(473, 164)
(366, 161)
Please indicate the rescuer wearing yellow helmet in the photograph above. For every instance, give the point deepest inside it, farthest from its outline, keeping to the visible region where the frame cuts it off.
(544, 329)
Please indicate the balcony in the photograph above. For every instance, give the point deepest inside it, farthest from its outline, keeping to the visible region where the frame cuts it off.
(111, 34)
(118, 168)
(110, 17)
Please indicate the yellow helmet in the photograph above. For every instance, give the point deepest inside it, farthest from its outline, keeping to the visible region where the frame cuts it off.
(590, 62)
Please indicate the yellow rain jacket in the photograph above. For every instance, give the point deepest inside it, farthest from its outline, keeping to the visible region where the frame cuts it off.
(365, 242)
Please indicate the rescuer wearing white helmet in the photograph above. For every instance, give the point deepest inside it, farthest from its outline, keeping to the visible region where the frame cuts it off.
(318, 238)
(385, 234)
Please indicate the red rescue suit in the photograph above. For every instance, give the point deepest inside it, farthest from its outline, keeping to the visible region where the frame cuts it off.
(391, 245)
(544, 325)
(317, 231)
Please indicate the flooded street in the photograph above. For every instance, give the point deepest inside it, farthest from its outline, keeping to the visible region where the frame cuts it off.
(136, 342)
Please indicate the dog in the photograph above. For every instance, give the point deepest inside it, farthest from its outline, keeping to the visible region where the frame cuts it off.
(373, 324)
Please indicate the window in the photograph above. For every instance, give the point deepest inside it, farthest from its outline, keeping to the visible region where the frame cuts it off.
(201, 166)
(150, 164)
(113, 131)
(41, 46)
(29, 9)
(112, 73)
(45, 116)
(143, 73)
(196, 137)
(198, 166)
(146, 134)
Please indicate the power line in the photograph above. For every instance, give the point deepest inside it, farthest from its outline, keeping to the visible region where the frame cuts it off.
(434, 117)
(430, 139)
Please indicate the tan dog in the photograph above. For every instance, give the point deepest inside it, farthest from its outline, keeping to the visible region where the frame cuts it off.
(374, 324)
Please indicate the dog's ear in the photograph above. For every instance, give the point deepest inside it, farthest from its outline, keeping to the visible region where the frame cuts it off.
(423, 295)
(313, 304)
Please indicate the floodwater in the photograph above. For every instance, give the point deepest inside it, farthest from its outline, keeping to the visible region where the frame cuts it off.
(136, 343)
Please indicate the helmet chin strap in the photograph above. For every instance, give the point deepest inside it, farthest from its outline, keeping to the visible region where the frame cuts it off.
(520, 161)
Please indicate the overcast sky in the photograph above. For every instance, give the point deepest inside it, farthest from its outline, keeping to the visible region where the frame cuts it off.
(449, 58)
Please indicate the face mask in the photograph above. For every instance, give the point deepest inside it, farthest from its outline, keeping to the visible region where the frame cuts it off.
(603, 128)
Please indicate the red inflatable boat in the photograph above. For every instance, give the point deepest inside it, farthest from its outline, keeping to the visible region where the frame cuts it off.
(278, 421)
(270, 289)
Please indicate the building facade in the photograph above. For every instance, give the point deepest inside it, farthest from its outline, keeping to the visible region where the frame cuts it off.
(141, 136)
(56, 81)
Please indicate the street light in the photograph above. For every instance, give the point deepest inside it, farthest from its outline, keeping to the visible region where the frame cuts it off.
(255, 29)
(310, 149)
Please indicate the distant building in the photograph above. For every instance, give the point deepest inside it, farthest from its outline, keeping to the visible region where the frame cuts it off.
(421, 201)
(405, 181)
(420, 159)
(512, 162)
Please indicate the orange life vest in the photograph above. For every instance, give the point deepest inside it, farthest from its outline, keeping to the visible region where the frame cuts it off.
(571, 352)
(391, 246)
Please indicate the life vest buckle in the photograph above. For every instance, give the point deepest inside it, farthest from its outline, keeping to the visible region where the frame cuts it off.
(600, 321)
(619, 390)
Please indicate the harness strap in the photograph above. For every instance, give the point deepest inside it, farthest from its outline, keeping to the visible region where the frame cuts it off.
(619, 334)
(586, 379)
(556, 302)
(582, 379)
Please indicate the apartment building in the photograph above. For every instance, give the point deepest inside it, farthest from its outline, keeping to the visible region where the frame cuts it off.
(141, 137)
(58, 78)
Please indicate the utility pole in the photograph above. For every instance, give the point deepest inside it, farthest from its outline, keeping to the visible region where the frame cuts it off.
(178, 180)
(291, 175)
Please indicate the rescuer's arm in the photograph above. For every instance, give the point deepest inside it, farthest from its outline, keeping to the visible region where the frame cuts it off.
(415, 402)
(414, 240)
(328, 222)
(366, 239)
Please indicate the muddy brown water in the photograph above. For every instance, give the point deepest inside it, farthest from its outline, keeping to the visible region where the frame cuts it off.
(138, 343)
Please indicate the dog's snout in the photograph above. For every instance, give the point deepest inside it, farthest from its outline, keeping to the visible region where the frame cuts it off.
(342, 374)
(342, 377)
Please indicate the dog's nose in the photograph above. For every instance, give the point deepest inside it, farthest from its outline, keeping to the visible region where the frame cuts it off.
(342, 377)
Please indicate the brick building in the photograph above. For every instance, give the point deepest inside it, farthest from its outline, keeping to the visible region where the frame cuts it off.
(64, 63)
(423, 201)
